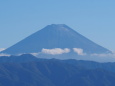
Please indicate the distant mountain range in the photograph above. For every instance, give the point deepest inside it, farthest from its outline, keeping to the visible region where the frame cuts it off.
(27, 70)
(56, 39)
(59, 41)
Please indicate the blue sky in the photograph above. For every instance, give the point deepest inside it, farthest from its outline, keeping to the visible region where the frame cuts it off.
(94, 19)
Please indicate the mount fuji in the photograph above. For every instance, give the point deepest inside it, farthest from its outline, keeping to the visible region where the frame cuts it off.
(56, 37)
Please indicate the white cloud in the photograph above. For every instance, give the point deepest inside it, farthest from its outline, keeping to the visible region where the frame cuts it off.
(35, 54)
(2, 54)
(55, 51)
(1, 49)
(104, 55)
(79, 51)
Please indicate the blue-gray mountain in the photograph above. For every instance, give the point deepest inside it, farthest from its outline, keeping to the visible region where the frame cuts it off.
(55, 36)
(27, 70)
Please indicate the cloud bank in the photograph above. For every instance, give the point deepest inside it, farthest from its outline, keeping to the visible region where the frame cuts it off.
(55, 51)
(104, 55)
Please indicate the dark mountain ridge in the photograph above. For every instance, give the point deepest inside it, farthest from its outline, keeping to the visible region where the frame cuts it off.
(53, 72)
(25, 58)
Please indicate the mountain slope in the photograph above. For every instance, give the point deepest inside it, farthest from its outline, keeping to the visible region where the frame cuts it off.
(55, 36)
